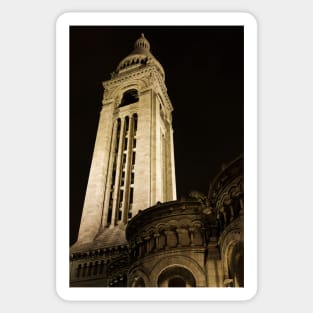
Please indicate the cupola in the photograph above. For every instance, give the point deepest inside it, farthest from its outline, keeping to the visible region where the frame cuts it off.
(139, 57)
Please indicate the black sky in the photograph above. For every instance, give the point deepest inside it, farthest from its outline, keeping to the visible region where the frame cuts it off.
(204, 77)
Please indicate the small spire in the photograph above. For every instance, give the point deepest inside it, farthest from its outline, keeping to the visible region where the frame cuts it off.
(142, 42)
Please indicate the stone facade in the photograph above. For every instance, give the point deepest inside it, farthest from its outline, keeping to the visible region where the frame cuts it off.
(133, 232)
(196, 242)
(133, 161)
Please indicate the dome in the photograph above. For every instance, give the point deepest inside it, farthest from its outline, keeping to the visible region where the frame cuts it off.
(140, 56)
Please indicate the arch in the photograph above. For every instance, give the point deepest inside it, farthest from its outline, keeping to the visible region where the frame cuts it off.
(138, 278)
(196, 223)
(139, 283)
(129, 96)
(150, 230)
(233, 259)
(172, 224)
(176, 276)
(116, 92)
(184, 222)
(183, 263)
(161, 226)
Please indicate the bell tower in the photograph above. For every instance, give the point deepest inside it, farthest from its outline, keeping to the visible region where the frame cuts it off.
(133, 160)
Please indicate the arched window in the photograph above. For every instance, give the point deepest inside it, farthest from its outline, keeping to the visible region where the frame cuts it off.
(236, 264)
(176, 282)
(130, 96)
(176, 276)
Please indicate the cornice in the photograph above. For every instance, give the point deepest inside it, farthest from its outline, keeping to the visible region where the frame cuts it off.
(138, 74)
(96, 252)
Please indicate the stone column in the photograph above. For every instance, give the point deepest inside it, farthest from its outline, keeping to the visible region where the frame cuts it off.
(147, 244)
(179, 233)
(166, 233)
(191, 235)
(156, 241)
(109, 179)
(140, 245)
(172, 167)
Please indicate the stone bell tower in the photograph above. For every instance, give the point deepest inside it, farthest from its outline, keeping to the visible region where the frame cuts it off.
(133, 160)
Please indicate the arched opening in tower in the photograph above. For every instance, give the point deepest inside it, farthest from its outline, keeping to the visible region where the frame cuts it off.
(130, 96)
(176, 276)
(176, 282)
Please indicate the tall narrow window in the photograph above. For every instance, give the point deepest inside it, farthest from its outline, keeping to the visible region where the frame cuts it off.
(131, 195)
(131, 198)
(134, 158)
(110, 206)
(135, 116)
(123, 178)
(117, 135)
(113, 176)
(110, 215)
(121, 197)
(120, 205)
(126, 123)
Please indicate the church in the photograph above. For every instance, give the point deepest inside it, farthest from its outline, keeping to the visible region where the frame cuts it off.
(133, 230)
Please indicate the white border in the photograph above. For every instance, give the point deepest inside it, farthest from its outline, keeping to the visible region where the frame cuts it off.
(62, 155)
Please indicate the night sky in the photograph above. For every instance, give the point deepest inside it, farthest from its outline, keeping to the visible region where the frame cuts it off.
(204, 77)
